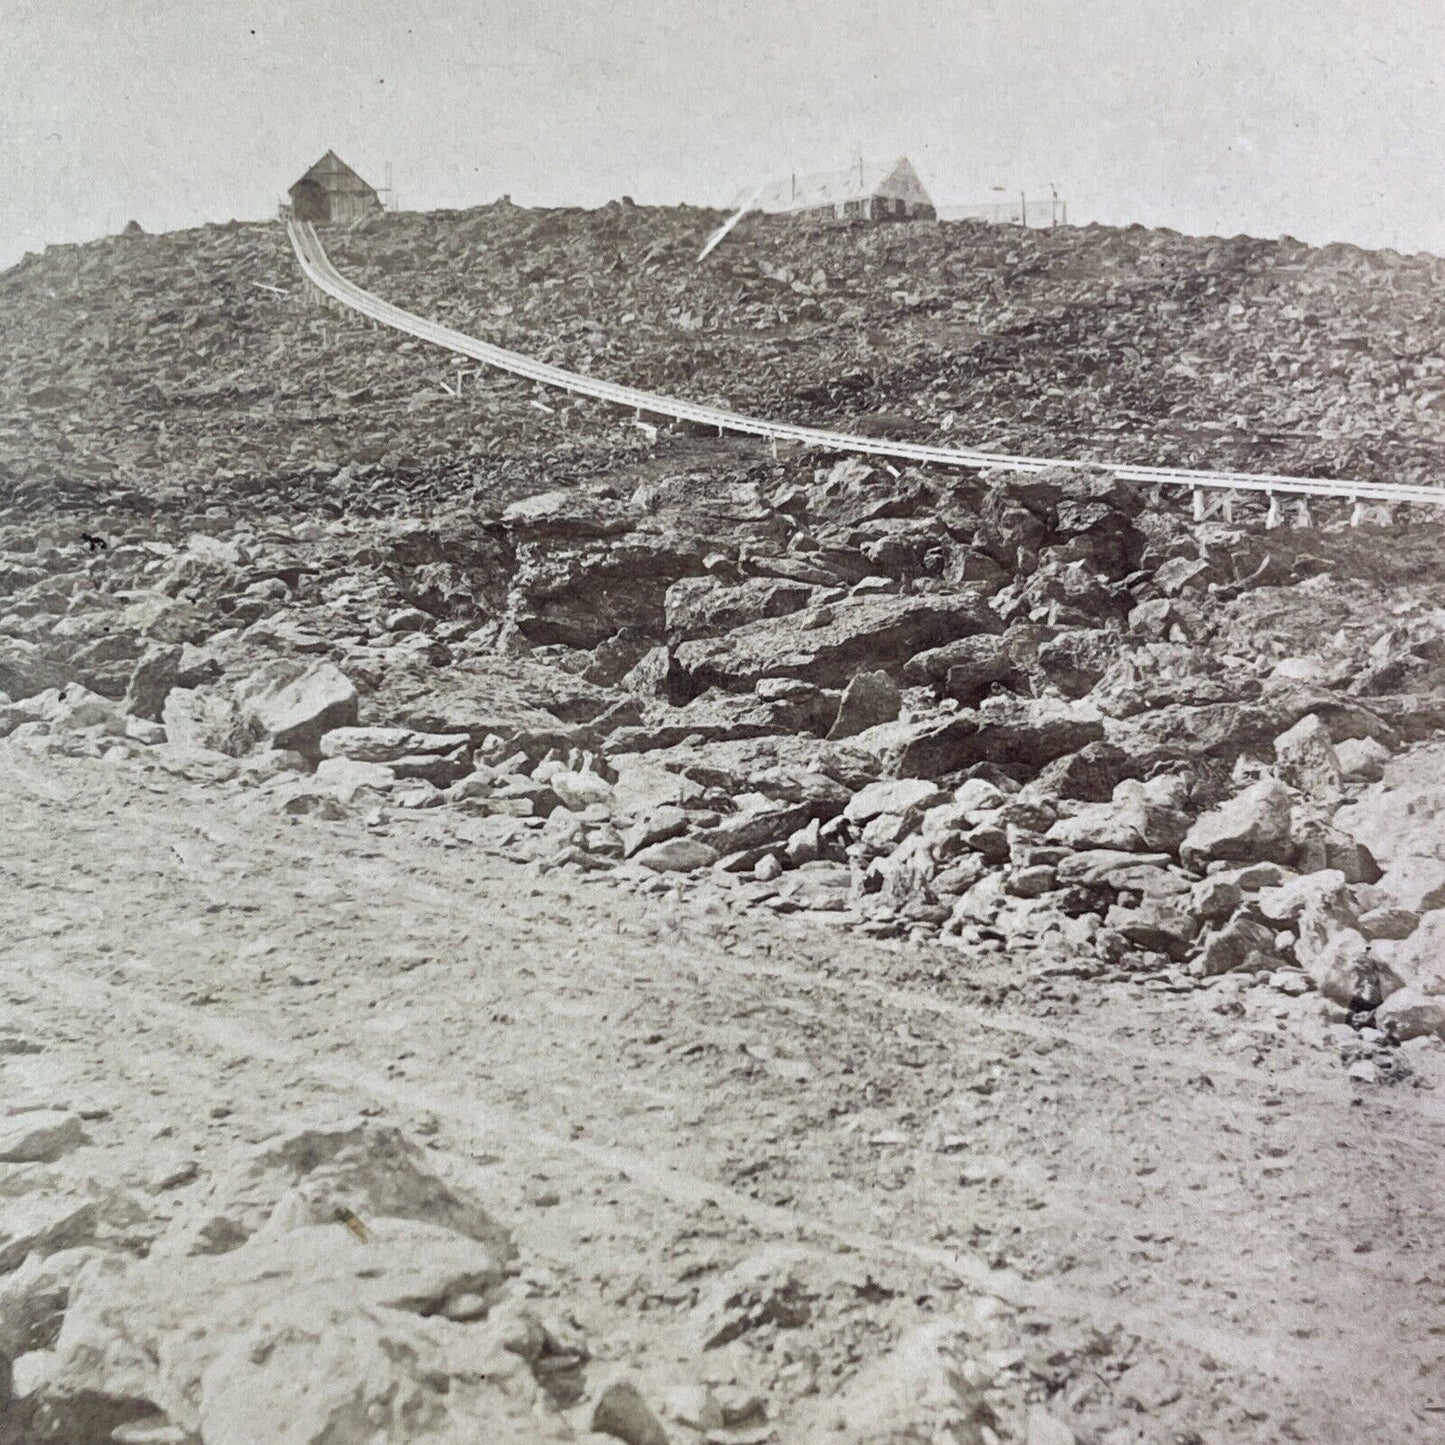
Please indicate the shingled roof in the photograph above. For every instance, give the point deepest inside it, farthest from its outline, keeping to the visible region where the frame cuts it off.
(332, 173)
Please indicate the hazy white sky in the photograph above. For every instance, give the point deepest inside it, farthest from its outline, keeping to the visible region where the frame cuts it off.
(1319, 118)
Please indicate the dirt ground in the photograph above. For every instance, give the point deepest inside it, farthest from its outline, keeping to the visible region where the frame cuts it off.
(1169, 1215)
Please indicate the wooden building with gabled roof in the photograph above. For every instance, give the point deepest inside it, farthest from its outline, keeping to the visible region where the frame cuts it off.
(332, 191)
(873, 192)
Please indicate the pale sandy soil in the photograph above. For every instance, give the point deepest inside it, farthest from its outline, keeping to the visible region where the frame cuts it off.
(1170, 1213)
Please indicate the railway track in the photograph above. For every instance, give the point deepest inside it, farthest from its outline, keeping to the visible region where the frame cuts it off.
(323, 277)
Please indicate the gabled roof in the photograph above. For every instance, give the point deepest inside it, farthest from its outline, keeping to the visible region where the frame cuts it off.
(827, 188)
(332, 173)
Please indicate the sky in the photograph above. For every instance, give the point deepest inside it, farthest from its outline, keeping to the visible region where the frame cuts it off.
(1321, 119)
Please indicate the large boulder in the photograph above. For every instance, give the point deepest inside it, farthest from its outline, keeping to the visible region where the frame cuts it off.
(966, 667)
(1019, 735)
(759, 822)
(870, 699)
(903, 547)
(293, 704)
(827, 645)
(25, 669)
(567, 514)
(782, 705)
(1152, 677)
(205, 719)
(1414, 883)
(676, 855)
(151, 681)
(159, 618)
(1243, 943)
(1218, 715)
(1089, 775)
(1329, 945)
(33, 1299)
(978, 666)
(710, 605)
(70, 709)
(524, 703)
(789, 768)
(1141, 817)
(1064, 592)
(1306, 760)
(1317, 845)
(1362, 758)
(373, 1169)
(1158, 923)
(1346, 971)
(1399, 822)
(1074, 661)
(895, 796)
(1418, 960)
(581, 596)
(305, 1336)
(1411, 1013)
(1252, 827)
(449, 566)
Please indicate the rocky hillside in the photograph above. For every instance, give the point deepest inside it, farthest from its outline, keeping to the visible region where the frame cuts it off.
(1045, 730)
(988, 709)
(186, 364)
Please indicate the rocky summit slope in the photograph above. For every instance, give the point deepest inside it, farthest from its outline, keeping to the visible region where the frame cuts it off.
(184, 365)
(1046, 724)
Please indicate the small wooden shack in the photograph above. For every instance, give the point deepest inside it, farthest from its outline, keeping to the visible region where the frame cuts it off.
(332, 191)
(871, 192)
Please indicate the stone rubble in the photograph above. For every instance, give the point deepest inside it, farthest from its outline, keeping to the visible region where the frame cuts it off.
(1048, 717)
(965, 761)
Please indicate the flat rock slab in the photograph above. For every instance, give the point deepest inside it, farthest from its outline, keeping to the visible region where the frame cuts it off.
(387, 744)
(41, 1137)
(827, 645)
(676, 855)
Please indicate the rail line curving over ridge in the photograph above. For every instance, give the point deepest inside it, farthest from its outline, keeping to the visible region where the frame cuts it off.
(320, 273)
